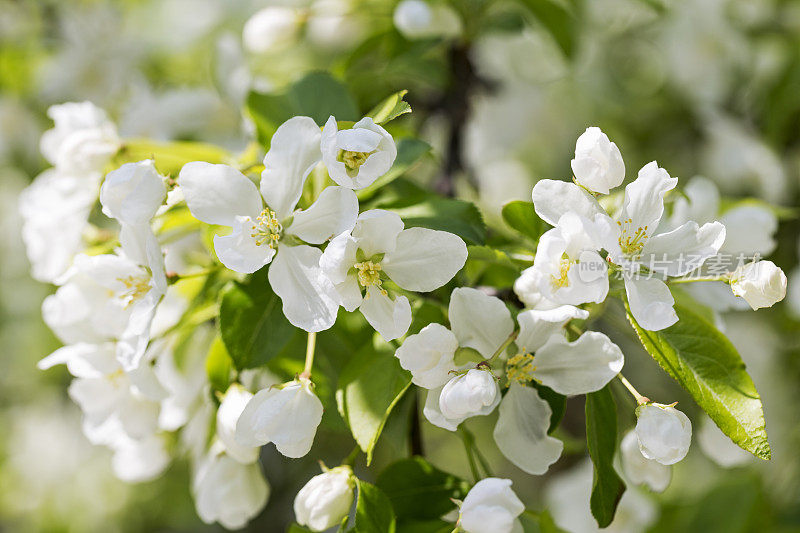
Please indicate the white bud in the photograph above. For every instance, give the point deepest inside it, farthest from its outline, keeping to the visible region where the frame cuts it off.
(230, 409)
(287, 417)
(356, 157)
(470, 394)
(760, 283)
(271, 28)
(598, 165)
(491, 507)
(664, 433)
(639, 469)
(325, 500)
(428, 355)
(417, 19)
(133, 193)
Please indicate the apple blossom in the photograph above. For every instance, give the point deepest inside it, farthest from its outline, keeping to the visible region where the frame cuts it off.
(597, 165)
(325, 500)
(428, 355)
(83, 139)
(286, 415)
(377, 249)
(219, 194)
(271, 29)
(491, 507)
(358, 156)
(760, 283)
(419, 19)
(230, 409)
(137, 461)
(470, 394)
(718, 447)
(640, 470)
(664, 433)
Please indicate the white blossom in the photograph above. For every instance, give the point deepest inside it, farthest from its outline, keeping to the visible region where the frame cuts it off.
(664, 433)
(416, 259)
(419, 19)
(719, 447)
(133, 193)
(491, 506)
(287, 416)
(760, 283)
(230, 410)
(267, 229)
(471, 394)
(358, 156)
(273, 28)
(640, 470)
(325, 500)
(83, 139)
(138, 461)
(597, 165)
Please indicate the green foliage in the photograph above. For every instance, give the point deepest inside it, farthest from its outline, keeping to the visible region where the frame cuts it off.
(369, 387)
(557, 402)
(251, 321)
(170, 157)
(558, 19)
(391, 108)
(410, 151)
(601, 438)
(317, 95)
(521, 217)
(219, 365)
(419, 491)
(374, 513)
(707, 365)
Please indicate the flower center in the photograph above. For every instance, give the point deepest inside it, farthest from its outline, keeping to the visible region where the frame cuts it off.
(519, 368)
(353, 160)
(631, 241)
(369, 275)
(267, 229)
(562, 279)
(135, 288)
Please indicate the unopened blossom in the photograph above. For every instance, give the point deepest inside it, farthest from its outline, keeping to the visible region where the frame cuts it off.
(230, 410)
(640, 470)
(597, 165)
(325, 500)
(287, 416)
(227, 491)
(272, 28)
(491, 506)
(267, 229)
(471, 394)
(55, 211)
(378, 248)
(664, 433)
(357, 156)
(760, 283)
(83, 139)
(428, 355)
(419, 19)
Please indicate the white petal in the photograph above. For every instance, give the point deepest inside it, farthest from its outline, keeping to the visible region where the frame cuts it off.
(389, 318)
(651, 303)
(133, 193)
(309, 299)
(537, 326)
(579, 367)
(293, 154)
(521, 430)
(425, 259)
(702, 204)
(217, 194)
(339, 257)
(358, 140)
(84, 360)
(683, 249)
(644, 197)
(335, 211)
(376, 231)
(428, 355)
(479, 321)
(433, 413)
(139, 461)
(749, 229)
(639, 469)
(554, 198)
(133, 342)
(349, 292)
(239, 251)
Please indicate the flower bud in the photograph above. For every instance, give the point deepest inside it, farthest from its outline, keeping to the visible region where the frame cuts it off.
(428, 355)
(356, 157)
(271, 28)
(664, 433)
(230, 409)
(760, 283)
(639, 469)
(470, 394)
(325, 500)
(133, 193)
(491, 507)
(598, 165)
(287, 417)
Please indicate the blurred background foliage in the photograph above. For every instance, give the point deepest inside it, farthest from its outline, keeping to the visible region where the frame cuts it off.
(707, 87)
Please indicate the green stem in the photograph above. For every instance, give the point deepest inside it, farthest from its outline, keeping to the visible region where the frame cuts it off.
(350, 459)
(676, 281)
(468, 440)
(511, 338)
(310, 347)
(641, 400)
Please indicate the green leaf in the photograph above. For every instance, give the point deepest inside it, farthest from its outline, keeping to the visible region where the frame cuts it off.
(558, 20)
(409, 152)
(522, 217)
(420, 491)
(169, 157)
(424, 526)
(218, 365)
(251, 322)
(601, 438)
(374, 513)
(369, 387)
(391, 108)
(539, 523)
(707, 366)
(456, 216)
(317, 95)
(297, 528)
(557, 402)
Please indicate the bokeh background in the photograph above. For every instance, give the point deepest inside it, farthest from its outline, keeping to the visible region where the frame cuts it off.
(707, 87)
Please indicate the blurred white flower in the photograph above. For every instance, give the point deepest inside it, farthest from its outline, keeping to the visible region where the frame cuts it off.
(230, 409)
(325, 500)
(718, 447)
(335, 24)
(597, 165)
(418, 19)
(271, 29)
(416, 259)
(287, 416)
(664, 433)
(491, 506)
(760, 283)
(640, 470)
(83, 139)
(358, 156)
(137, 461)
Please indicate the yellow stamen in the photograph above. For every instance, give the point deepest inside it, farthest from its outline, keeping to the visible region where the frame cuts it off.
(369, 275)
(631, 241)
(135, 288)
(520, 368)
(267, 229)
(563, 271)
(353, 160)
